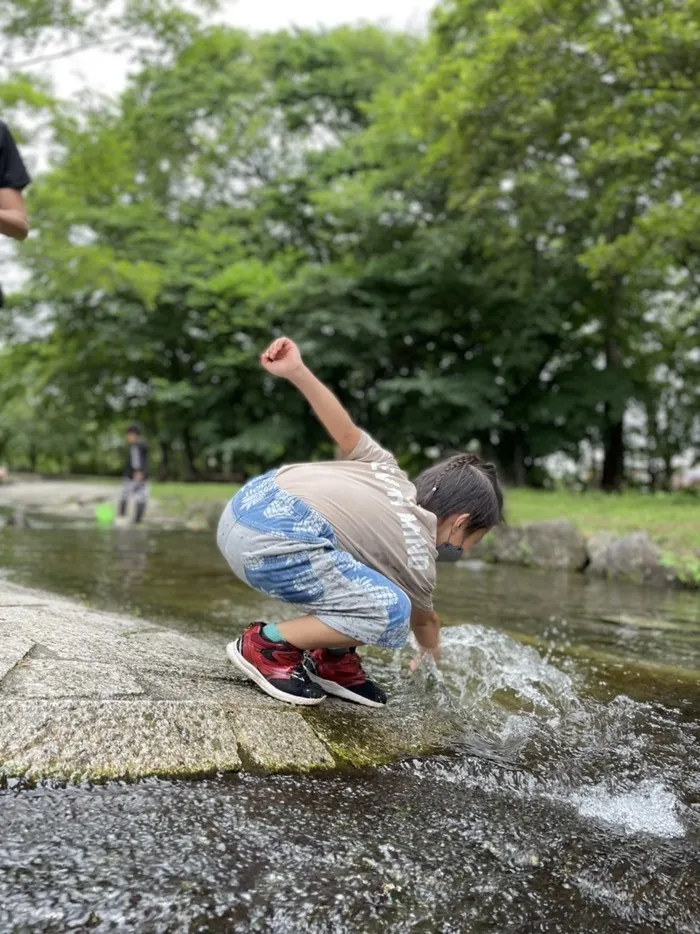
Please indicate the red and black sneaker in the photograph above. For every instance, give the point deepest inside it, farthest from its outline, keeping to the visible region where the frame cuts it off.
(276, 667)
(340, 672)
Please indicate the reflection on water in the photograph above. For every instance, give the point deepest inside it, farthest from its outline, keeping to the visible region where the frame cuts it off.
(572, 805)
(181, 576)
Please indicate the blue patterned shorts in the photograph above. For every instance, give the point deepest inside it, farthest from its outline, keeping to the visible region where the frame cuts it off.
(285, 549)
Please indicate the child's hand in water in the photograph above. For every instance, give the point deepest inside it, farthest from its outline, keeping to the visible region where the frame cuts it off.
(282, 358)
(426, 629)
(423, 657)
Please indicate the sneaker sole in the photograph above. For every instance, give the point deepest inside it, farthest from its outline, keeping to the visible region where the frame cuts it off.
(251, 672)
(337, 690)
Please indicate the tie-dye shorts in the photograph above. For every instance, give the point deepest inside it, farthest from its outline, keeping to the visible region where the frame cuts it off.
(286, 549)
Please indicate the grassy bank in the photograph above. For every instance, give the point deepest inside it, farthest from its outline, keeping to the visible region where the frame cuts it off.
(178, 499)
(671, 519)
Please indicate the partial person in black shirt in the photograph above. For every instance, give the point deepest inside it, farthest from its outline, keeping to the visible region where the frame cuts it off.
(14, 178)
(135, 474)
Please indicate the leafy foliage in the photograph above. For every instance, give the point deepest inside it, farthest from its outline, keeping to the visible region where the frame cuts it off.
(486, 238)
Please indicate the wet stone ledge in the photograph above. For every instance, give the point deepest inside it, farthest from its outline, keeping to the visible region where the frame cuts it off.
(93, 696)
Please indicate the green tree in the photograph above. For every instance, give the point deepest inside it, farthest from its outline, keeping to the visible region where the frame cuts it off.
(30, 25)
(172, 224)
(570, 130)
(455, 232)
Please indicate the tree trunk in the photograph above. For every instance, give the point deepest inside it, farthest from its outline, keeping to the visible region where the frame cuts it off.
(519, 469)
(511, 454)
(189, 455)
(164, 466)
(668, 471)
(614, 461)
(613, 428)
(653, 477)
(652, 447)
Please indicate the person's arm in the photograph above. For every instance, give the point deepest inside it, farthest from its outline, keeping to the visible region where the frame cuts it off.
(141, 467)
(14, 178)
(282, 358)
(426, 628)
(14, 220)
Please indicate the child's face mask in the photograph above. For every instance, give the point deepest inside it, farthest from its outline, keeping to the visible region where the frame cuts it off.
(449, 552)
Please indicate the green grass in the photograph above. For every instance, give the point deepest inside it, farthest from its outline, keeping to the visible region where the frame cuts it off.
(176, 499)
(671, 519)
(179, 498)
(194, 492)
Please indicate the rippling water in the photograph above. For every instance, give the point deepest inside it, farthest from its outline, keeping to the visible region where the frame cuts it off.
(572, 804)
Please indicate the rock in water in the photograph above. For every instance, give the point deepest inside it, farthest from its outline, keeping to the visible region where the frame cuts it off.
(634, 557)
(597, 543)
(553, 544)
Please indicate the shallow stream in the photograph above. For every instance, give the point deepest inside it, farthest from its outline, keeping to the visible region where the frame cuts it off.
(571, 805)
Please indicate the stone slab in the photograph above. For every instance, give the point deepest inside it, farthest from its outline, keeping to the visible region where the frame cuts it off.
(9, 599)
(13, 648)
(74, 740)
(76, 633)
(88, 695)
(39, 677)
(280, 741)
(14, 595)
(232, 692)
(359, 738)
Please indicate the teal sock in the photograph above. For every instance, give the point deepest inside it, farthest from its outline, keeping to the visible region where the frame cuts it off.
(272, 633)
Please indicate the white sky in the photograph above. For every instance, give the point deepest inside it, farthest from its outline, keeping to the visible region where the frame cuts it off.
(101, 71)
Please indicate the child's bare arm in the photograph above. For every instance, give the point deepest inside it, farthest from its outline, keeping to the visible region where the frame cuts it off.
(13, 214)
(282, 358)
(426, 628)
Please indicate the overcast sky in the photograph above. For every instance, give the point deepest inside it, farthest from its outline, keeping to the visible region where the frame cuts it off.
(102, 71)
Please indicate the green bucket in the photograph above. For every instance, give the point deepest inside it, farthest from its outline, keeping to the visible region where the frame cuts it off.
(105, 513)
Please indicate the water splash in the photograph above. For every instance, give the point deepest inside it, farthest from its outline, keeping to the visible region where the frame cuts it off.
(649, 808)
(484, 663)
(531, 730)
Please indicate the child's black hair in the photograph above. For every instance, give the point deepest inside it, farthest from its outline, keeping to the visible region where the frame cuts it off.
(462, 483)
(134, 429)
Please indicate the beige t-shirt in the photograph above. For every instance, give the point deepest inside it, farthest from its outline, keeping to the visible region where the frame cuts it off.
(371, 505)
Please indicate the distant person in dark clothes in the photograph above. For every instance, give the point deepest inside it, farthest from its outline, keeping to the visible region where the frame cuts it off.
(135, 474)
(14, 178)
